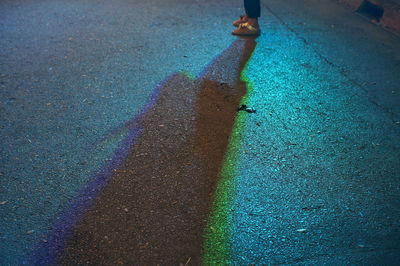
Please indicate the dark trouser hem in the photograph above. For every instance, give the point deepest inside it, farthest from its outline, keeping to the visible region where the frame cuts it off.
(252, 8)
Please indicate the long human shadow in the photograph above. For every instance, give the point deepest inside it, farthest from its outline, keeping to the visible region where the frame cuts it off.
(154, 206)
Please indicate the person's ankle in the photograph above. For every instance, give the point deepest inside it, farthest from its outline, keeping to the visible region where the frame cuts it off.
(253, 22)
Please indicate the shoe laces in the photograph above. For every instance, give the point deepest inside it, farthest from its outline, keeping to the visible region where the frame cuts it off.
(247, 26)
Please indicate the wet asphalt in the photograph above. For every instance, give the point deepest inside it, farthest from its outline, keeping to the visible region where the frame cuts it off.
(317, 168)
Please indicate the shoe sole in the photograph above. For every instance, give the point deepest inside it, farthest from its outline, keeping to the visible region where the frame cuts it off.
(246, 34)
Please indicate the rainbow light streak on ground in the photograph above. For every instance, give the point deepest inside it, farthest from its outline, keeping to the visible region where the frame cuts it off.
(218, 233)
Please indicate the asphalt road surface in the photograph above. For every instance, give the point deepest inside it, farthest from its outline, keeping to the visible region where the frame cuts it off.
(122, 142)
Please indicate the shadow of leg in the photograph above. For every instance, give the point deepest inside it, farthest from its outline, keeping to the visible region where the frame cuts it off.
(155, 206)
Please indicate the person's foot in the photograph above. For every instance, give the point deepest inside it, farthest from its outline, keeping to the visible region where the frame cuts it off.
(245, 29)
(242, 19)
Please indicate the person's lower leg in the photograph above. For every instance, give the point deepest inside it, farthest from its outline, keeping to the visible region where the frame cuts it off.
(253, 10)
